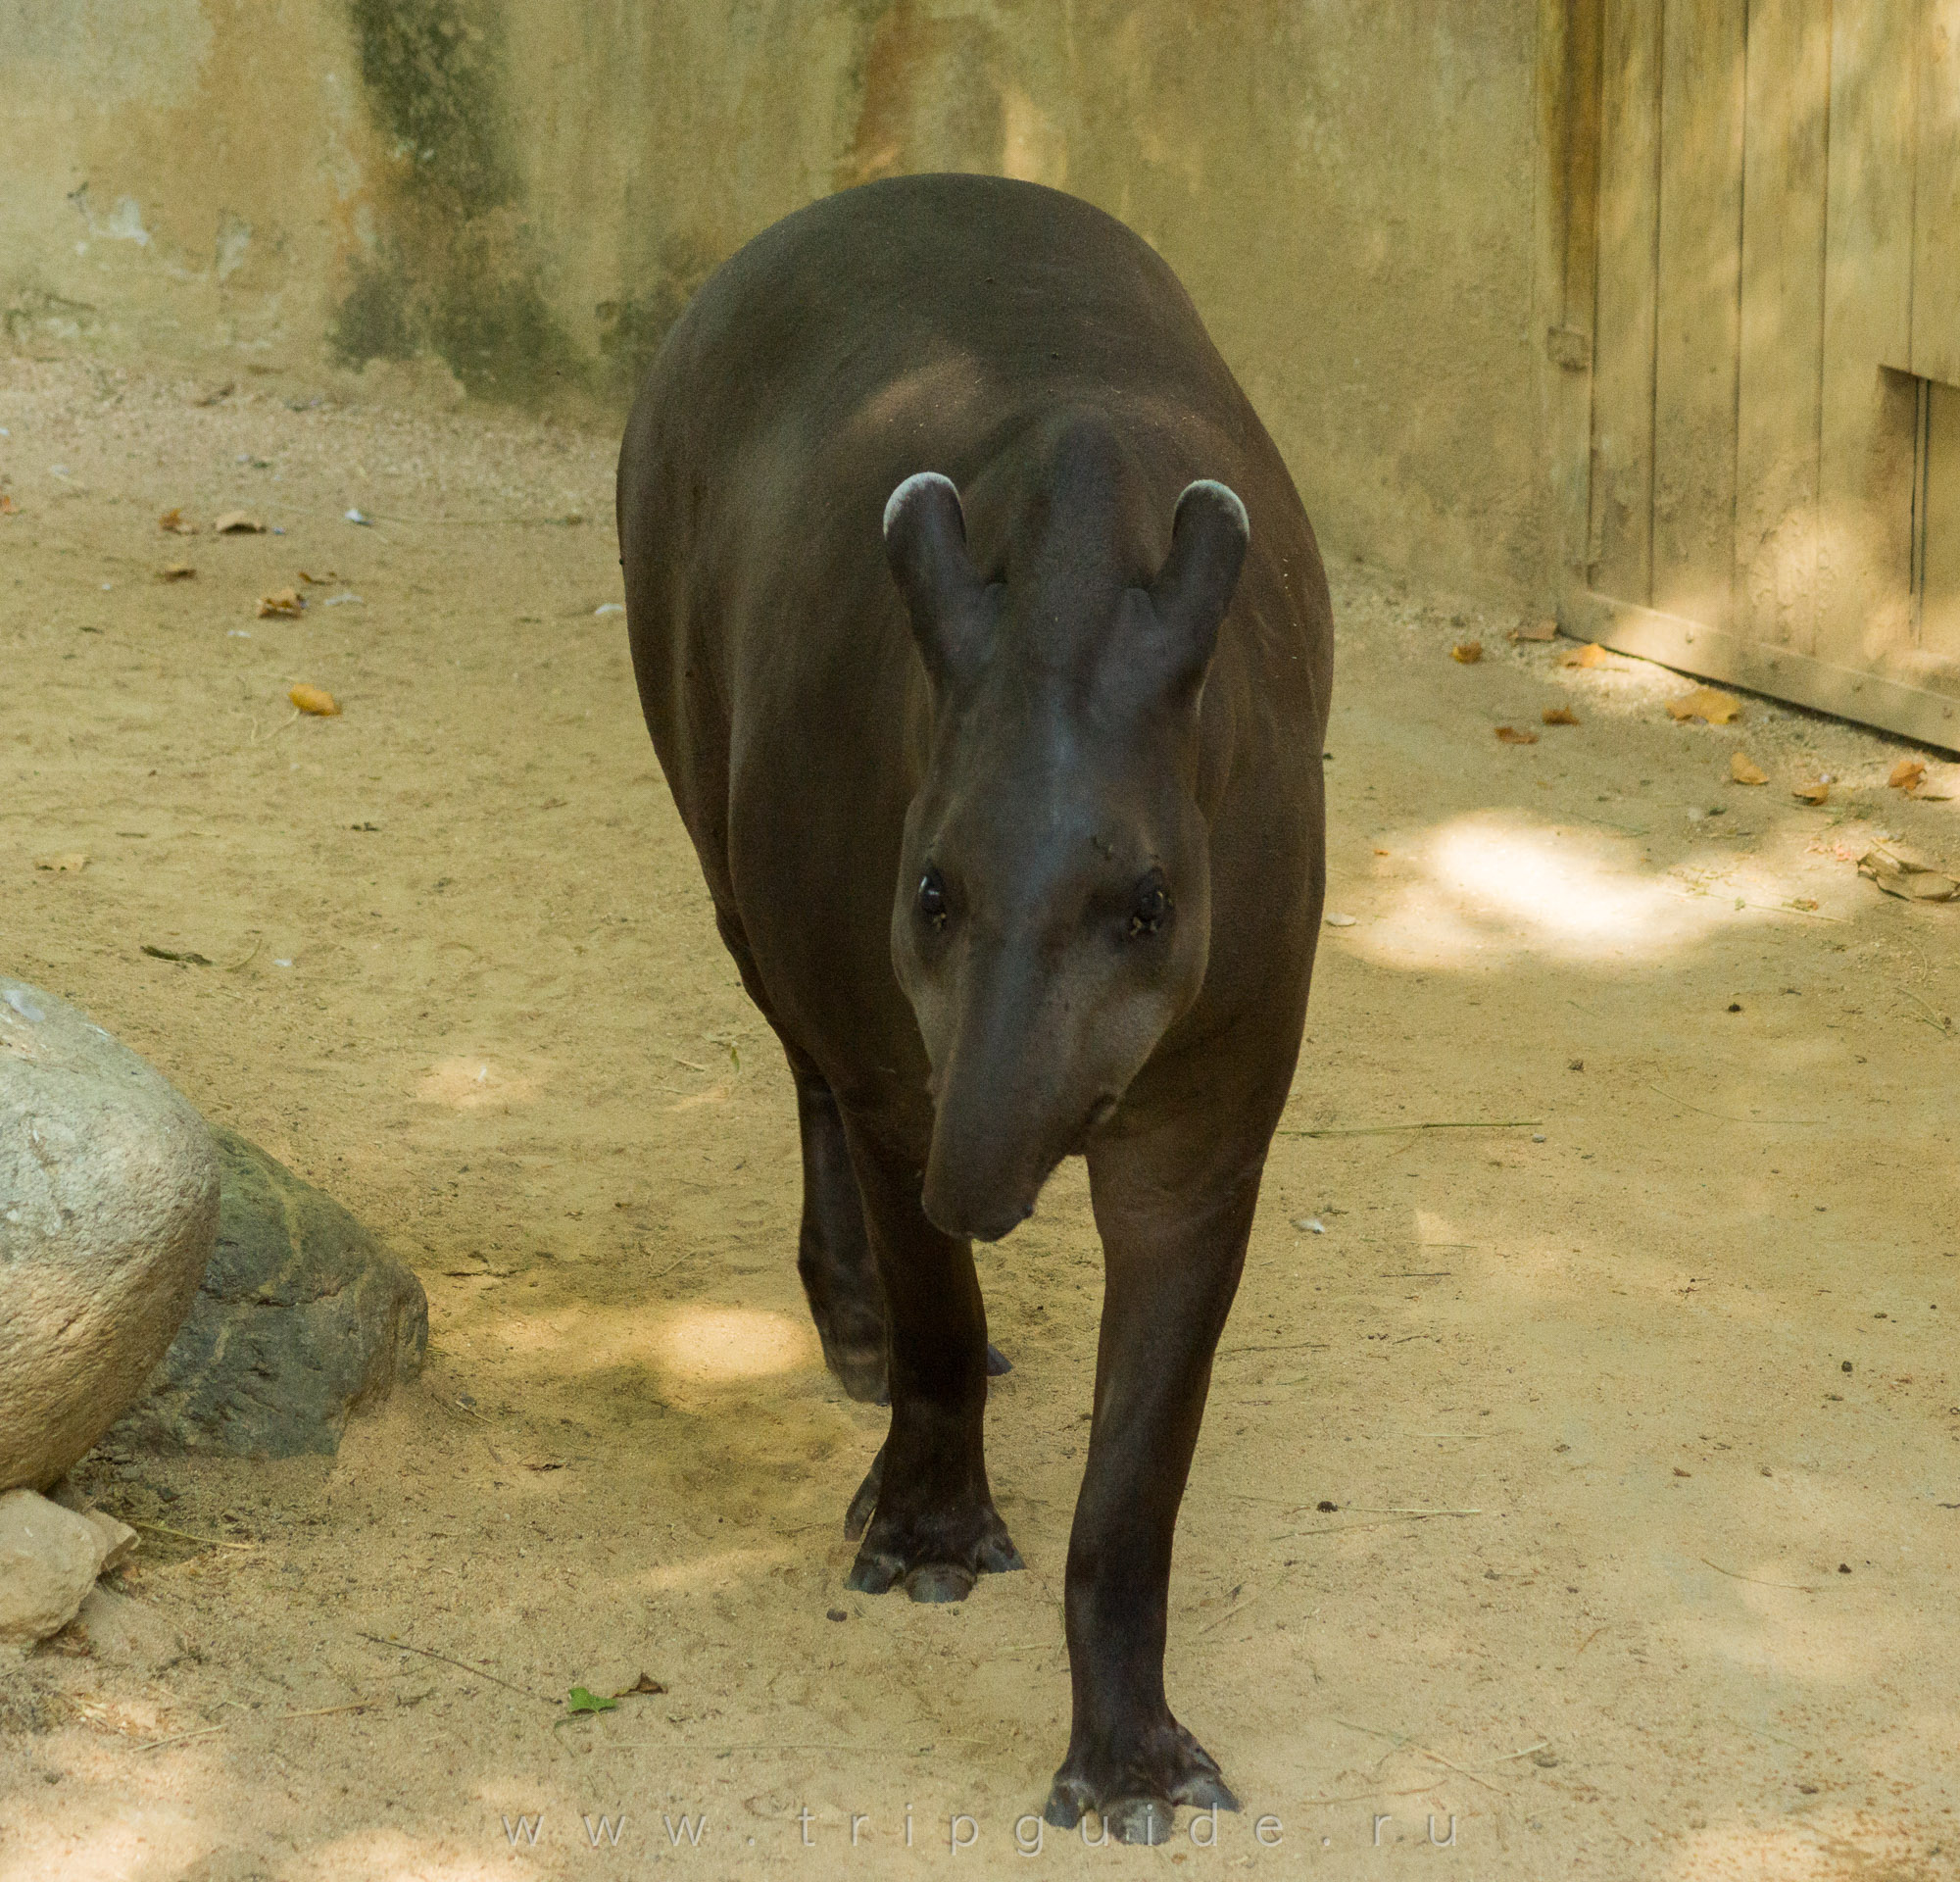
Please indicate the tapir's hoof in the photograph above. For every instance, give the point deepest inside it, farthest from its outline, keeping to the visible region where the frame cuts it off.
(859, 1370)
(998, 1361)
(1135, 1795)
(924, 1554)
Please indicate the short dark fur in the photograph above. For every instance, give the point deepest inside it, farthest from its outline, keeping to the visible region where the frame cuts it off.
(1013, 824)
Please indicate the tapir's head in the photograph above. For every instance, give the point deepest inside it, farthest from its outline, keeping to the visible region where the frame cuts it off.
(1052, 917)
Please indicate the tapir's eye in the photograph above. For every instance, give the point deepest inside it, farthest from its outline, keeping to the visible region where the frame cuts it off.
(932, 899)
(1150, 910)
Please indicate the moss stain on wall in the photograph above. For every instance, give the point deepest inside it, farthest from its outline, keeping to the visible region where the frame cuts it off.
(451, 269)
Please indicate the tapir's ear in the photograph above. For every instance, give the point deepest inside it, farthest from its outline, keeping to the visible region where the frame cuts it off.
(1209, 537)
(926, 543)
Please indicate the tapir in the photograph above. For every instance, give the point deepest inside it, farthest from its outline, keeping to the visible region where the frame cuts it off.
(985, 648)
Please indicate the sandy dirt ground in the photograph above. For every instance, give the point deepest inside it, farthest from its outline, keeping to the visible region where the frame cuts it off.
(1589, 1481)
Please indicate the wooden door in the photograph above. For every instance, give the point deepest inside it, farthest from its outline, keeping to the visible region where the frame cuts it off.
(1773, 469)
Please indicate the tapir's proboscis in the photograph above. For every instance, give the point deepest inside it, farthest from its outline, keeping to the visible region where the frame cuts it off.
(985, 648)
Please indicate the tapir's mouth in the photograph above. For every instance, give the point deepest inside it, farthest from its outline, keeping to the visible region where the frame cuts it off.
(999, 1215)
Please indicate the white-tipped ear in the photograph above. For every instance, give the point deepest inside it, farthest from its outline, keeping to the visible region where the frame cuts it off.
(914, 486)
(1223, 494)
(926, 545)
(1209, 534)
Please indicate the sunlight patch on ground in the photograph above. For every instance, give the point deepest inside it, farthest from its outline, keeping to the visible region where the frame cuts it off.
(690, 1346)
(1494, 887)
(1832, 1847)
(473, 1083)
(719, 1570)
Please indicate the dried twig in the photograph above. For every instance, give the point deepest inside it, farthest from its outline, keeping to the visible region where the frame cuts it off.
(1386, 1130)
(180, 1738)
(1403, 1741)
(1234, 1613)
(1725, 1118)
(323, 1712)
(184, 1535)
(1793, 1587)
(449, 1659)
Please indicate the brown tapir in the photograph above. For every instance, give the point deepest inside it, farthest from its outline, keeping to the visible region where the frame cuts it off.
(985, 648)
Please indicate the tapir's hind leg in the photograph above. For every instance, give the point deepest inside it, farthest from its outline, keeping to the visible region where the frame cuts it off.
(932, 1524)
(839, 1277)
(834, 1259)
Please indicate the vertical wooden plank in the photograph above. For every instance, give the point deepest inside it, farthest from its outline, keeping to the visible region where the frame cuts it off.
(1867, 419)
(1788, 107)
(1698, 310)
(1939, 599)
(1567, 224)
(1936, 275)
(1620, 550)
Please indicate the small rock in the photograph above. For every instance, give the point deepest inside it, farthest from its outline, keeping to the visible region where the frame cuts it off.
(303, 1316)
(108, 1214)
(49, 1559)
(119, 1541)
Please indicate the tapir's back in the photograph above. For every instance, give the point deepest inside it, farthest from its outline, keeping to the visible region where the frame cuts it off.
(908, 324)
(923, 324)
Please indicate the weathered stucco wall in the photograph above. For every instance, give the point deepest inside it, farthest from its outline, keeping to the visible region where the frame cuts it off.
(522, 194)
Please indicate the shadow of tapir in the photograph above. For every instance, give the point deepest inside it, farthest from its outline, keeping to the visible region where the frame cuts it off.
(985, 648)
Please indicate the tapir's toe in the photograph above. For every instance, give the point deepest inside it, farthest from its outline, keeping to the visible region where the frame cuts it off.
(1139, 1819)
(1206, 1791)
(939, 1581)
(1134, 1792)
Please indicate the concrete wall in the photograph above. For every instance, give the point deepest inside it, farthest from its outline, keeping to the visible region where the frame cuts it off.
(522, 194)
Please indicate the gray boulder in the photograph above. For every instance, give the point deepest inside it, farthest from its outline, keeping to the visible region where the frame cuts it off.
(302, 1319)
(108, 1213)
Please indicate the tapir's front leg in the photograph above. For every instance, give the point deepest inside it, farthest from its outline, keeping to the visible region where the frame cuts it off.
(928, 1514)
(1171, 1269)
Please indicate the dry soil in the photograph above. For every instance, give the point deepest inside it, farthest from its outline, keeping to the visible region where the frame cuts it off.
(1583, 1464)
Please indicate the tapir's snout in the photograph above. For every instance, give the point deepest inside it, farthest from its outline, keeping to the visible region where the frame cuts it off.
(976, 1218)
(1002, 1120)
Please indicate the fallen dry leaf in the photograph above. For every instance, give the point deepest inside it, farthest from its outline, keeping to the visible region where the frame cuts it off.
(315, 699)
(7, 507)
(1813, 792)
(236, 522)
(1469, 652)
(645, 1683)
(1704, 702)
(174, 522)
(318, 581)
(1908, 875)
(1589, 655)
(1545, 629)
(1511, 735)
(1908, 774)
(1804, 902)
(284, 602)
(1559, 715)
(176, 572)
(1743, 771)
(69, 863)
